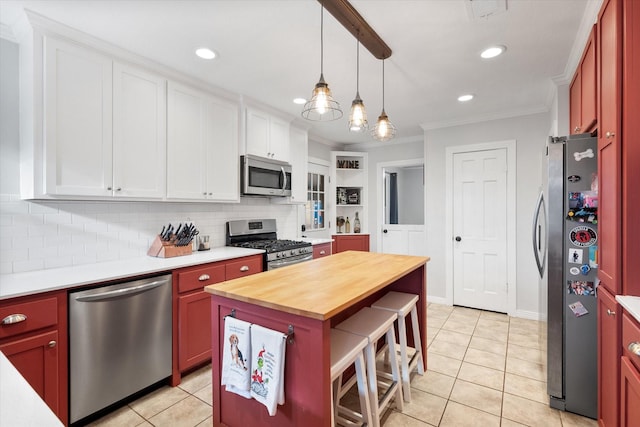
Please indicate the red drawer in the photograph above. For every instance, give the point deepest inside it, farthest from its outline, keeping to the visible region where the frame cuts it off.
(198, 277)
(37, 315)
(244, 267)
(630, 334)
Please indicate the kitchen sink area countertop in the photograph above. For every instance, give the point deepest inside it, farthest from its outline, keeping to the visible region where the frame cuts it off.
(33, 282)
(631, 304)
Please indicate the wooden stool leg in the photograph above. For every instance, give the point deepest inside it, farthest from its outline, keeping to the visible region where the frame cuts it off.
(373, 384)
(395, 368)
(365, 401)
(404, 360)
(417, 343)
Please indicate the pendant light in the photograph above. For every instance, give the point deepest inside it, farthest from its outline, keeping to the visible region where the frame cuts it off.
(384, 130)
(358, 117)
(322, 106)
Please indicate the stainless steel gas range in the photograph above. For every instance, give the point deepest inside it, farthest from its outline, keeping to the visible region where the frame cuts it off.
(262, 234)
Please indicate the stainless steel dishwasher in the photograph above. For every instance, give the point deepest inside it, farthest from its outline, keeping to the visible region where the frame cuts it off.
(119, 342)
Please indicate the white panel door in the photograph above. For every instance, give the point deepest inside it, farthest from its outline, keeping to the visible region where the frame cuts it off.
(78, 132)
(185, 149)
(403, 239)
(139, 133)
(257, 133)
(279, 139)
(221, 142)
(480, 229)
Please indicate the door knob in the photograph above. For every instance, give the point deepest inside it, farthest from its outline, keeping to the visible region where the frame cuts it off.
(385, 230)
(458, 238)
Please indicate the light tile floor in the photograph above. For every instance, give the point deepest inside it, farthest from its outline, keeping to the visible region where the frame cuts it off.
(484, 369)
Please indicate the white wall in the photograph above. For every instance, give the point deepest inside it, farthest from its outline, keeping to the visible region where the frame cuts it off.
(49, 234)
(531, 134)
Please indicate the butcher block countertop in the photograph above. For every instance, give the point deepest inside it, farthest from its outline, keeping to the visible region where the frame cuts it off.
(321, 288)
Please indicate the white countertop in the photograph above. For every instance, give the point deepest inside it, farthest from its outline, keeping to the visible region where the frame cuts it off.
(20, 405)
(631, 304)
(33, 282)
(315, 241)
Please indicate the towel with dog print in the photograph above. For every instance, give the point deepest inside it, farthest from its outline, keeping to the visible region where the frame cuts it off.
(236, 350)
(267, 367)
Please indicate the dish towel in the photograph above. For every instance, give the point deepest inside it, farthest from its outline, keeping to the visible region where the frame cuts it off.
(236, 350)
(267, 367)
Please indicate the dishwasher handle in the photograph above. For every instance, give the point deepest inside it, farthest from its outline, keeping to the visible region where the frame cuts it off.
(118, 293)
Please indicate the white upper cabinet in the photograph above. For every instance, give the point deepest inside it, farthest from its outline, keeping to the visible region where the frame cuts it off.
(267, 135)
(202, 149)
(139, 133)
(299, 165)
(78, 121)
(104, 126)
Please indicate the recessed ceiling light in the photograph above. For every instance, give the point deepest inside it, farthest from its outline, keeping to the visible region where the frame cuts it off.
(465, 98)
(493, 51)
(205, 53)
(300, 101)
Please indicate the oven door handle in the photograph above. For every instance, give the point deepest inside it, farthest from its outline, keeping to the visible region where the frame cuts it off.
(290, 261)
(284, 176)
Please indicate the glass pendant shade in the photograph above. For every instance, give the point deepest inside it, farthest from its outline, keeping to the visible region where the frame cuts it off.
(358, 117)
(321, 106)
(384, 130)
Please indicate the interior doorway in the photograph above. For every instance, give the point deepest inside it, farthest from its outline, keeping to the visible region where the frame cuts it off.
(480, 212)
(401, 228)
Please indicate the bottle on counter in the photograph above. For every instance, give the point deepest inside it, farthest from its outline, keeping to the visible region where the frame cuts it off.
(347, 226)
(356, 224)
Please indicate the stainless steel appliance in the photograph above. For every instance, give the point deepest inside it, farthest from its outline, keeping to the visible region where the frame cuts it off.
(119, 342)
(262, 234)
(264, 177)
(566, 216)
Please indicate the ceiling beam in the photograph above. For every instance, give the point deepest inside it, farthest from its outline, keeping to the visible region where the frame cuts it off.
(356, 25)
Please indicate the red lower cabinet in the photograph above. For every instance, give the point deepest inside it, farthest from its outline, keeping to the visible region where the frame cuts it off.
(608, 358)
(33, 336)
(350, 242)
(194, 312)
(629, 394)
(321, 250)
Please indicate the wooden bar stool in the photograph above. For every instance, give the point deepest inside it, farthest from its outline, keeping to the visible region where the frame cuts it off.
(404, 304)
(348, 349)
(374, 324)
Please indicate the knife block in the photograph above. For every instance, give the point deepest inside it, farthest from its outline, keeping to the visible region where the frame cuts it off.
(163, 249)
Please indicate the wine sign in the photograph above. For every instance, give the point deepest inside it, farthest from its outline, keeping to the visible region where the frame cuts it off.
(347, 164)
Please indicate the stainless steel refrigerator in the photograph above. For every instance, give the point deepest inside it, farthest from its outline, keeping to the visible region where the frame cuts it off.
(565, 243)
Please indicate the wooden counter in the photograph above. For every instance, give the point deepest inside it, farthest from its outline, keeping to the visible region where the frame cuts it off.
(312, 297)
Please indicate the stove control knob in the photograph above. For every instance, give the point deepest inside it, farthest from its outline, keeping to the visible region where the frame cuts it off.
(293, 252)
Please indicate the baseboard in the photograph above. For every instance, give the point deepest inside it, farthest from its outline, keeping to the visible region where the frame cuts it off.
(531, 315)
(437, 300)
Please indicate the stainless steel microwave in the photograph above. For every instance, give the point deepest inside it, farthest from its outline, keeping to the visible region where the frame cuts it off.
(264, 177)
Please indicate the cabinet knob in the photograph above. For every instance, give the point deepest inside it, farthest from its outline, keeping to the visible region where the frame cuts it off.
(14, 318)
(109, 188)
(204, 194)
(119, 189)
(244, 268)
(204, 277)
(610, 313)
(634, 348)
(322, 252)
(610, 134)
(52, 344)
(211, 194)
(577, 129)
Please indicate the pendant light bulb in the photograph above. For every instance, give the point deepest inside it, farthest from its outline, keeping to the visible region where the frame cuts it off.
(358, 117)
(384, 130)
(321, 106)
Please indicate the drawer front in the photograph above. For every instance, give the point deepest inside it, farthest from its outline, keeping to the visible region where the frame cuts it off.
(197, 278)
(244, 267)
(321, 250)
(630, 334)
(28, 316)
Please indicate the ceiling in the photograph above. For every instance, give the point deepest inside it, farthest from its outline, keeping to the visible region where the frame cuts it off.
(269, 51)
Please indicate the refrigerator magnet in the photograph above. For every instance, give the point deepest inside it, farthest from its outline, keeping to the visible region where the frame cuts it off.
(574, 178)
(593, 256)
(583, 236)
(575, 256)
(574, 271)
(579, 287)
(578, 309)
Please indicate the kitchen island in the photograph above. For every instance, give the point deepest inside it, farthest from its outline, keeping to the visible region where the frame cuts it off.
(311, 297)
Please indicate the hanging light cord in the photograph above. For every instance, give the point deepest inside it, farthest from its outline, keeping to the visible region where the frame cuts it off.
(383, 85)
(321, 37)
(358, 64)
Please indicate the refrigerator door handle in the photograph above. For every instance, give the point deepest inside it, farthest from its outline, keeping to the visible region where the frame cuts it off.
(536, 235)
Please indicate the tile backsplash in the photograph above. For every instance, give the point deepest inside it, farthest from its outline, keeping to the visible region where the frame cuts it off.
(37, 235)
